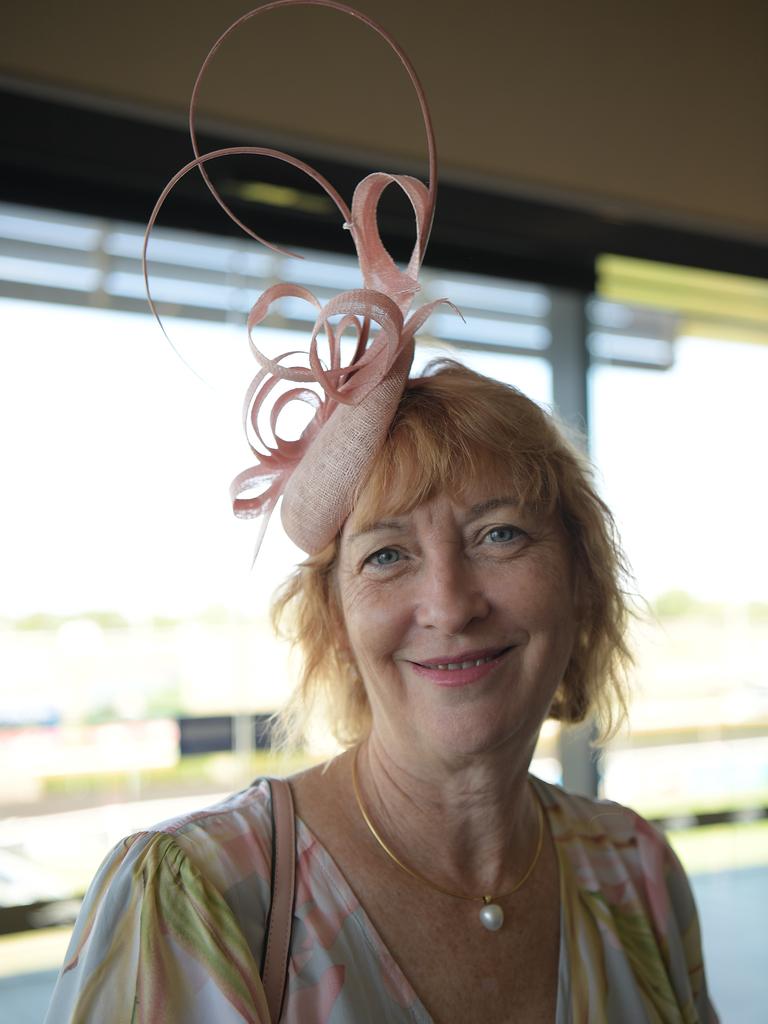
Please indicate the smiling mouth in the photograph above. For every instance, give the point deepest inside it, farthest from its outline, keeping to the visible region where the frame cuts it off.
(456, 666)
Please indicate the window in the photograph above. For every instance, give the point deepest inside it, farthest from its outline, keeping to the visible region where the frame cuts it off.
(679, 450)
(134, 642)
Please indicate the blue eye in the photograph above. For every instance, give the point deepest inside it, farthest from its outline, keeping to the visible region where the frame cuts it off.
(386, 556)
(503, 534)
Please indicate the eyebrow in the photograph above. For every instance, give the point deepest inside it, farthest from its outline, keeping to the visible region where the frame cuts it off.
(380, 524)
(475, 512)
(491, 505)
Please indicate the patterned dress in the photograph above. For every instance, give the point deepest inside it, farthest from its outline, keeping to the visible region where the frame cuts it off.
(172, 927)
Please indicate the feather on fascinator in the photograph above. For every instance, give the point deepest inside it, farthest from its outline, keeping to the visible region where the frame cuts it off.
(318, 474)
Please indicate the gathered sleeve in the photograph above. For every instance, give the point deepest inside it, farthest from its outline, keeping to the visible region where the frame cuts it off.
(156, 943)
(674, 918)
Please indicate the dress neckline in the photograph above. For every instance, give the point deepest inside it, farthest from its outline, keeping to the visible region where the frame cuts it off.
(305, 838)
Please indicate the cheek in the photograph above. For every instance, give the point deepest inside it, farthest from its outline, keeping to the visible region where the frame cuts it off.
(545, 603)
(552, 584)
(374, 619)
(541, 584)
(558, 623)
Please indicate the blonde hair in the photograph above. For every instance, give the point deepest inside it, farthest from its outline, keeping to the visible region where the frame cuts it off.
(455, 425)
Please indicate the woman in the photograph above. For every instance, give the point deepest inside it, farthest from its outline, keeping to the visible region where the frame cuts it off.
(471, 593)
(463, 584)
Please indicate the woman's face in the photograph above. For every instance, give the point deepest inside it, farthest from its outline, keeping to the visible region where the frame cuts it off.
(460, 618)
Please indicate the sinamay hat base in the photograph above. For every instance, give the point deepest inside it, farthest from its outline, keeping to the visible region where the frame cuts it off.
(338, 461)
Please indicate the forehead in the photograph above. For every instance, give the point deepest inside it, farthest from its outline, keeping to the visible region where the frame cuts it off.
(402, 484)
(414, 467)
(470, 504)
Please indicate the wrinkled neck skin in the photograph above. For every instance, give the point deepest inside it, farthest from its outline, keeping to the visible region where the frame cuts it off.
(468, 823)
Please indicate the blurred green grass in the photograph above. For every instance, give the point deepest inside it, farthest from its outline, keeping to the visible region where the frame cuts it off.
(198, 773)
(711, 848)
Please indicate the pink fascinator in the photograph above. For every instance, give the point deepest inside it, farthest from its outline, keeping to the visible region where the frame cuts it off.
(353, 403)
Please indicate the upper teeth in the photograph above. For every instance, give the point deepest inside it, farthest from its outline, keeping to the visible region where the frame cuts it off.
(452, 665)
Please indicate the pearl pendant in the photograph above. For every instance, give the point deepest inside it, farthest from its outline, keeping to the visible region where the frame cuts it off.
(492, 917)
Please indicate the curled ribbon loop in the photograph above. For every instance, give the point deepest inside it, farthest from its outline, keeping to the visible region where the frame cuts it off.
(341, 384)
(353, 402)
(379, 270)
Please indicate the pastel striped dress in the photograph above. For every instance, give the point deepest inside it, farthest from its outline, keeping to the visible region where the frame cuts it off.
(172, 927)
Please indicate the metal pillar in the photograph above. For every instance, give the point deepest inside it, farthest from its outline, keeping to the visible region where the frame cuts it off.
(570, 366)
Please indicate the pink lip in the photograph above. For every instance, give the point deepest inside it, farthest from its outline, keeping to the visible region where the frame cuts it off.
(459, 676)
(446, 659)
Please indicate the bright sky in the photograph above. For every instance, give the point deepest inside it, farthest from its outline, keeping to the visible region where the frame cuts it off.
(116, 461)
(682, 457)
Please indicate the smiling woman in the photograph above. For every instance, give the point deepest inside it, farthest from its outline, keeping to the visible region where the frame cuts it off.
(474, 589)
(463, 583)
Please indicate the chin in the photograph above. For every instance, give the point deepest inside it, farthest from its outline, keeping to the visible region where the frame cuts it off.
(457, 737)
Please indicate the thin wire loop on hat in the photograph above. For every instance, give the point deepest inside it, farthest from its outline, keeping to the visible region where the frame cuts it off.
(380, 30)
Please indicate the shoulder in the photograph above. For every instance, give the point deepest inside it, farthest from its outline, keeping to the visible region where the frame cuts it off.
(218, 858)
(598, 821)
(218, 847)
(248, 806)
(612, 849)
(183, 899)
(228, 842)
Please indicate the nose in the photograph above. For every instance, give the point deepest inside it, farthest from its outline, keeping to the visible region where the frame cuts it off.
(451, 595)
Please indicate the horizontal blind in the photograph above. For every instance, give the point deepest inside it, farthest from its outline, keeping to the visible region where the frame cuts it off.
(56, 257)
(51, 256)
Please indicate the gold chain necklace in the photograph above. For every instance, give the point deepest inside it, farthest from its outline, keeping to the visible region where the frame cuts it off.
(491, 914)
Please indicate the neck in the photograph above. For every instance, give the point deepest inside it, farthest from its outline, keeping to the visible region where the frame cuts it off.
(471, 825)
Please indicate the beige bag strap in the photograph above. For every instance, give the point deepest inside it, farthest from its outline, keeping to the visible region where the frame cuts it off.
(277, 945)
